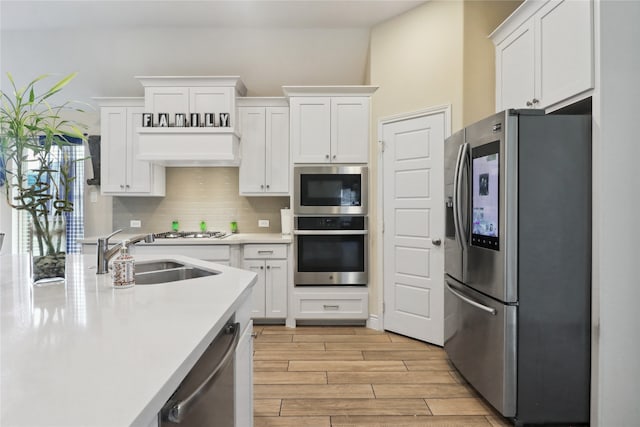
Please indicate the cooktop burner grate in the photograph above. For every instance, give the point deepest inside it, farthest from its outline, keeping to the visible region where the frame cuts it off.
(191, 234)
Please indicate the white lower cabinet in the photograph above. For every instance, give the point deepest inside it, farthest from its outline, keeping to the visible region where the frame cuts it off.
(335, 303)
(220, 254)
(270, 263)
(244, 377)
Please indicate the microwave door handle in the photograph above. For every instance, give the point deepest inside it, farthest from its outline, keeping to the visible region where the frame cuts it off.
(469, 301)
(178, 410)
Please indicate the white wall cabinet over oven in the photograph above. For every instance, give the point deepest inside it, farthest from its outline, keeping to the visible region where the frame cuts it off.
(330, 124)
(264, 166)
(122, 174)
(544, 54)
(269, 262)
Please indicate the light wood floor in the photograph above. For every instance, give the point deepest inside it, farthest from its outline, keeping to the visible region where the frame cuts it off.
(353, 376)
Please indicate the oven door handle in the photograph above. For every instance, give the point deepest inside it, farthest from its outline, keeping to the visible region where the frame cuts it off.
(331, 232)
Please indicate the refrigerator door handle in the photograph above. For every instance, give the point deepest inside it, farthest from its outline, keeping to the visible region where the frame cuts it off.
(456, 205)
(458, 192)
(469, 301)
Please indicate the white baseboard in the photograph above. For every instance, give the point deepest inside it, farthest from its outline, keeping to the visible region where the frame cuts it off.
(374, 322)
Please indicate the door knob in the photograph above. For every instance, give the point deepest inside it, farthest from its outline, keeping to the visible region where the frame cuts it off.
(436, 242)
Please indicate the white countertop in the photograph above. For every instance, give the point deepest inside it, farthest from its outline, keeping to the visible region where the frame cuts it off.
(86, 354)
(234, 239)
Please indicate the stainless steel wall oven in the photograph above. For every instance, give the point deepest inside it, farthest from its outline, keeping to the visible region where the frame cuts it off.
(331, 250)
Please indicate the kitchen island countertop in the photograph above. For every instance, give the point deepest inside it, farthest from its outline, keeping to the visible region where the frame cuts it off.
(85, 354)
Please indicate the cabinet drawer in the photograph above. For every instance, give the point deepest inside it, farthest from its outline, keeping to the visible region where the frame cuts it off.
(203, 252)
(253, 251)
(322, 306)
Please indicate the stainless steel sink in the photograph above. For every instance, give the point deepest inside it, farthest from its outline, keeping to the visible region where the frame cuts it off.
(171, 275)
(143, 267)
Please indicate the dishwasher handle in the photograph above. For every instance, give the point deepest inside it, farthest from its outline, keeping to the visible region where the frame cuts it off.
(179, 410)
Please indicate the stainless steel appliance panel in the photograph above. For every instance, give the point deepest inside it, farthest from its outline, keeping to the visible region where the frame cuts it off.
(206, 396)
(482, 344)
(490, 271)
(454, 243)
(330, 190)
(331, 250)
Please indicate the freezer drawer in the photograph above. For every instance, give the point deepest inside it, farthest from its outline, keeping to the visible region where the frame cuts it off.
(481, 343)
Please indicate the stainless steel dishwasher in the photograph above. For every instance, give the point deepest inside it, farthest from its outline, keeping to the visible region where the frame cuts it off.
(206, 395)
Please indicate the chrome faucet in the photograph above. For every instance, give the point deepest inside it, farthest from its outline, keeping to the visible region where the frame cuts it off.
(105, 254)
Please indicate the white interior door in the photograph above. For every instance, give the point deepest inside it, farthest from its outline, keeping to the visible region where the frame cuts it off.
(413, 177)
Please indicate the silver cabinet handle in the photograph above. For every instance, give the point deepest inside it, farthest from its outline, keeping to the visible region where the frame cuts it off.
(436, 242)
(469, 301)
(265, 252)
(178, 410)
(331, 307)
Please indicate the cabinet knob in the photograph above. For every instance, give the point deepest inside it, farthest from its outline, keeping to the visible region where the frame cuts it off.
(529, 103)
(326, 157)
(121, 185)
(535, 101)
(268, 267)
(262, 267)
(127, 186)
(334, 157)
(267, 186)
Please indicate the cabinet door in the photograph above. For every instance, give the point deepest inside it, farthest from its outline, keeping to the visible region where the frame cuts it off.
(276, 289)
(113, 127)
(350, 130)
(252, 146)
(138, 172)
(170, 100)
(258, 294)
(564, 55)
(277, 150)
(311, 129)
(515, 69)
(211, 100)
(244, 379)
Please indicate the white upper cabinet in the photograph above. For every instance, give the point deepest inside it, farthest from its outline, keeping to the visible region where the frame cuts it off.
(122, 173)
(330, 124)
(264, 125)
(544, 54)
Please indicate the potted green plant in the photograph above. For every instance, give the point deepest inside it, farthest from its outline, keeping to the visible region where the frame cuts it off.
(34, 179)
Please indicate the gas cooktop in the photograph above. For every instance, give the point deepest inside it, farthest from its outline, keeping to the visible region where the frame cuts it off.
(192, 234)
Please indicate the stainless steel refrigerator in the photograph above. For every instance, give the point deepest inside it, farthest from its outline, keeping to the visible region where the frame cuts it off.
(518, 263)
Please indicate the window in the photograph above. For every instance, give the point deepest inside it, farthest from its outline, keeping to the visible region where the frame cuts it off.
(75, 220)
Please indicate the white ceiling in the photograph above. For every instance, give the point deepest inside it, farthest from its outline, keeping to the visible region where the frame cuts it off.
(82, 14)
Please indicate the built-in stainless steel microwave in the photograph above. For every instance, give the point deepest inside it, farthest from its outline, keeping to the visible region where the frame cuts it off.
(330, 190)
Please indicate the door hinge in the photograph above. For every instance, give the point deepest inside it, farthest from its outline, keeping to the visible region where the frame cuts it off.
(384, 307)
(382, 145)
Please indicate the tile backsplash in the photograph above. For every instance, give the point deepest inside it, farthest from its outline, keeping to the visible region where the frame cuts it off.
(199, 194)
